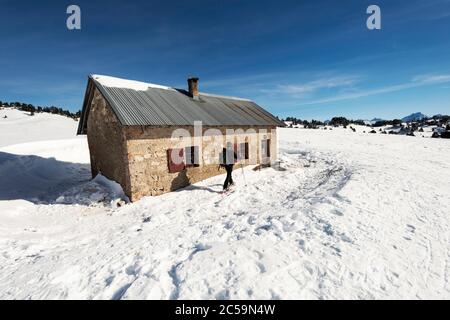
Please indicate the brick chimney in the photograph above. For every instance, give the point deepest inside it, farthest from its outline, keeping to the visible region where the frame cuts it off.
(193, 87)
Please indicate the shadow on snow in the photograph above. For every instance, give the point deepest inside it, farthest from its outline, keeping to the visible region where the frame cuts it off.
(39, 180)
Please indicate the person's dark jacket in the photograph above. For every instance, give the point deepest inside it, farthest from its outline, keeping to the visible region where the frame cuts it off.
(228, 157)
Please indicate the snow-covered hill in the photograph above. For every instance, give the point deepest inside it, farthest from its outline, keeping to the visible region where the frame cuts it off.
(352, 215)
(20, 127)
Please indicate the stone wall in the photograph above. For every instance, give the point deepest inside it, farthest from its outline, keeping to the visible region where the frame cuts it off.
(107, 145)
(148, 161)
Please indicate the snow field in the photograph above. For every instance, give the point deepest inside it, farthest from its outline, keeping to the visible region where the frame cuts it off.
(350, 216)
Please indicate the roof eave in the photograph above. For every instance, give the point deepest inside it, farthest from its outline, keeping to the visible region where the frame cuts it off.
(82, 130)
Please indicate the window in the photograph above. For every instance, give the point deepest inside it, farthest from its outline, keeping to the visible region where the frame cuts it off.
(175, 159)
(243, 151)
(192, 156)
(265, 148)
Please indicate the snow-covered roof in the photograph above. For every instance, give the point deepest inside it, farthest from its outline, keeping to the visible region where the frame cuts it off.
(113, 82)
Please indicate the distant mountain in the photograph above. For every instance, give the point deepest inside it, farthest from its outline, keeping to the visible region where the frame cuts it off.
(414, 117)
(373, 121)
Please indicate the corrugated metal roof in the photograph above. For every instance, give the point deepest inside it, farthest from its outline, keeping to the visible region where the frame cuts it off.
(163, 106)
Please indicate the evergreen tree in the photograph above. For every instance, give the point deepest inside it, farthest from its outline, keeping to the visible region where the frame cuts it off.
(339, 121)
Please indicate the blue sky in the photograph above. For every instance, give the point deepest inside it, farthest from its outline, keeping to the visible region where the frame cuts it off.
(310, 59)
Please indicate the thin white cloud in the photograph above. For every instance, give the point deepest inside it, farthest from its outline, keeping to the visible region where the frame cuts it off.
(430, 78)
(416, 82)
(316, 85)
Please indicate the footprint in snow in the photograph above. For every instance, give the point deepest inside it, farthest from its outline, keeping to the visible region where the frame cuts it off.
(239, 213)
(258, 254)
(251, 220)
(228, 225)
(411, 230)
(261, 267)
(109, 280)
(328, 229)
(337, 212)
(147, 220)
(345, 238)
(302, 244)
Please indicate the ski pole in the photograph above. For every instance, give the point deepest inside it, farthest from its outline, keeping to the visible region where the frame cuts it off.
(243, 174)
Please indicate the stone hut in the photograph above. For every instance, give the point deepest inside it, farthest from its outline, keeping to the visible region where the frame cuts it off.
(134, 129)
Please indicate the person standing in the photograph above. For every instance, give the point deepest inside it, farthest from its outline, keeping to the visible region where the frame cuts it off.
(227, 160)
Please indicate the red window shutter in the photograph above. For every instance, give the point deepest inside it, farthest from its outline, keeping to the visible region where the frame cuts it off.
(173, 166)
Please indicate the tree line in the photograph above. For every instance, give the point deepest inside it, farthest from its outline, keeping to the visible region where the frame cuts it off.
(305, 123)
(342, 121)
(26, 107)
(336, 121)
